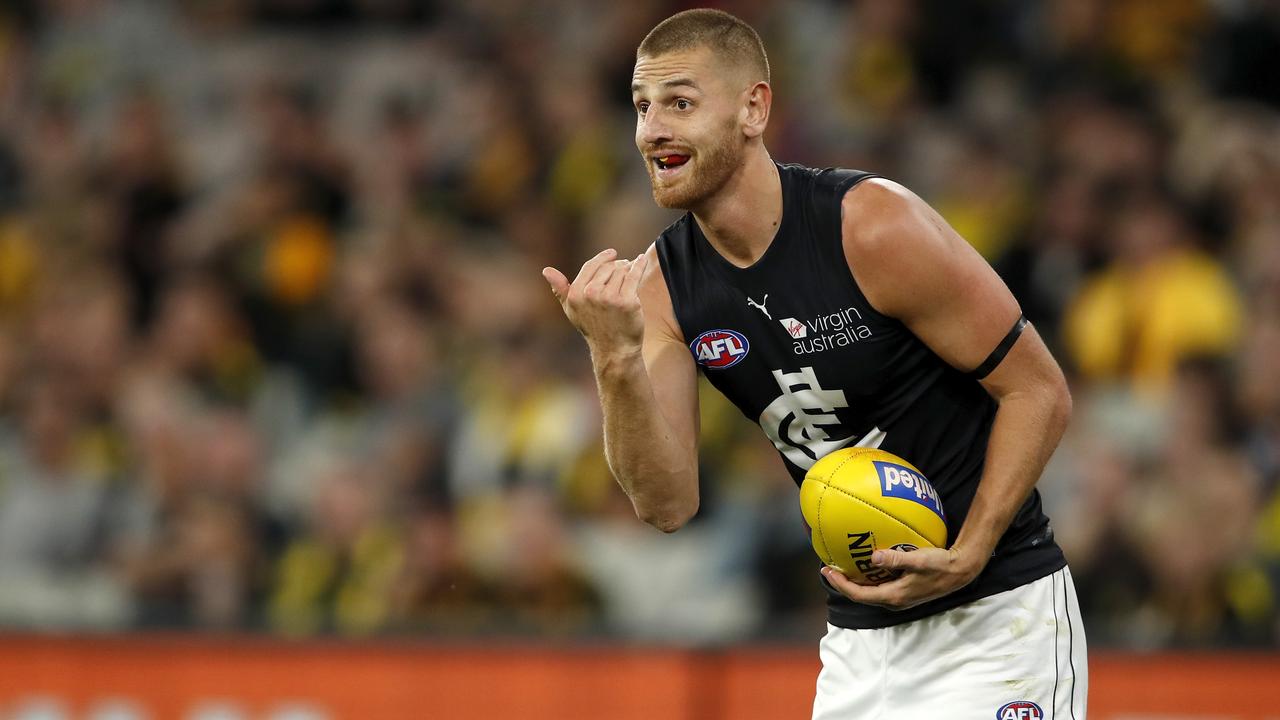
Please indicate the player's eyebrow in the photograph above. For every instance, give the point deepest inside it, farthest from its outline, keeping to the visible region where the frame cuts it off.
(670, 83)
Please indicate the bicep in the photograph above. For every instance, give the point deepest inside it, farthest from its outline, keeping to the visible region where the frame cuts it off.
(913, 266)
(668, 362)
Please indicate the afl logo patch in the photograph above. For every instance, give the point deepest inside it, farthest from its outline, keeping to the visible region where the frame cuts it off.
(1020, 710)
(720, 349)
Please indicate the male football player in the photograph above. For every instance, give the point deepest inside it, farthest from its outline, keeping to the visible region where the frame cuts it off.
(835, 308)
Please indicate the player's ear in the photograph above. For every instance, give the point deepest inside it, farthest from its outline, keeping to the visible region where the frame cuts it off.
(757, 100)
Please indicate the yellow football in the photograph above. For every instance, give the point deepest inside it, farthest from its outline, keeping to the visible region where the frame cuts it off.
(856, 500)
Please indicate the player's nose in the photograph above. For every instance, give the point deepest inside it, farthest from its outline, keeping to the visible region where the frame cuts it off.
(653, 131)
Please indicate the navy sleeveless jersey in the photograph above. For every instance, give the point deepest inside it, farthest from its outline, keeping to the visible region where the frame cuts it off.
(794, 344)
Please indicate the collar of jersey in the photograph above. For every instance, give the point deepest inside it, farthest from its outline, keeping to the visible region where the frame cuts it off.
(779, 235)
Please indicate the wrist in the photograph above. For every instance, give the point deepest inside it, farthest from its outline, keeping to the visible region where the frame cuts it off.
(968, 560)
(609, 360)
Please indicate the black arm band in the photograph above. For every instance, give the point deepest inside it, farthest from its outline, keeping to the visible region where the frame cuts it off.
(1001, 350)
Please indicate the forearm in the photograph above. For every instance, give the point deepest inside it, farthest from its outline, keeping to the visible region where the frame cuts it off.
(654, 465)
(1027, 428)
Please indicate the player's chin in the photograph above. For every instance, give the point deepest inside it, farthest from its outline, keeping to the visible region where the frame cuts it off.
(673, 197)
(668, 200)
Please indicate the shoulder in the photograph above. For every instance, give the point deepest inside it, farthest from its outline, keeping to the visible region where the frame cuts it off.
(655, 296)
(823, 183)
(816, 193)
(892, 238)
(882, 222)
(875, 213)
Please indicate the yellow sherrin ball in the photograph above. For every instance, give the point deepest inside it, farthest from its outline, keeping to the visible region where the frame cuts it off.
(856, 500)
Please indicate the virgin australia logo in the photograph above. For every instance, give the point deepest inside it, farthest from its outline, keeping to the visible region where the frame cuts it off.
(837, 329)
(795, 328)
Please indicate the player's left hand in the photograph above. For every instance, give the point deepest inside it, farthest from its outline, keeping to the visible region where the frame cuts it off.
(927, 573)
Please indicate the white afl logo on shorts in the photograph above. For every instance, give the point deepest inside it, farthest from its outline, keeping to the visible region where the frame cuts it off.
(1020, 710)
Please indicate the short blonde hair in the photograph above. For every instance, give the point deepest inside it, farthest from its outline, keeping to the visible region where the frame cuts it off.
(727, 36)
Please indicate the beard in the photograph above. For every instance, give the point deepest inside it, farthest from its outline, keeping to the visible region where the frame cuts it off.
(703, 178)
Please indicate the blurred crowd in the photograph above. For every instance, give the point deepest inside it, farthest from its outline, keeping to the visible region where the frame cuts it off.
(275, 354)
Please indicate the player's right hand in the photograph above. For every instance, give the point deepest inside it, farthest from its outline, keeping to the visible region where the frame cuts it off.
(603, 302)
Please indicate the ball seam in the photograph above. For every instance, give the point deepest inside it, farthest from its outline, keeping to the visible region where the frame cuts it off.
(829, 558)
(826, 485)
(882, 511)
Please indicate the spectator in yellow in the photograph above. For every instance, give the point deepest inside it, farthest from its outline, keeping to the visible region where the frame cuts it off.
(1159, 300)
(338, 575)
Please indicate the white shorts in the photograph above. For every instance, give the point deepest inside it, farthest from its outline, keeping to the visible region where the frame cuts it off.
(1016, 655)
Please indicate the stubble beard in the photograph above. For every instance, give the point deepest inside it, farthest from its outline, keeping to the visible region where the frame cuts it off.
(712, 171)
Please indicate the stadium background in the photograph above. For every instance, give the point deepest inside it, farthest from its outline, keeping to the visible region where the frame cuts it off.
(276, 360)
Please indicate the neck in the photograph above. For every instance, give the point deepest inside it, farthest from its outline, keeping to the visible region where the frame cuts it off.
(741, 219)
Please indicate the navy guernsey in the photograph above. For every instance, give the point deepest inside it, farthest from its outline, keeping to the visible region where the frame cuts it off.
(794, 344)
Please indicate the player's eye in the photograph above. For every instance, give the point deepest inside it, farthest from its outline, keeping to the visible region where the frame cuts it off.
(682, 104)
(642, 107)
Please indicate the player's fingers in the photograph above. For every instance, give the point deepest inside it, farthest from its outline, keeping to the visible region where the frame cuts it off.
(606, 273)
(840, 581)
(868, 594)
(614, 284)
(558, 282)
(631, 283)
(592, 266)
(622, 270)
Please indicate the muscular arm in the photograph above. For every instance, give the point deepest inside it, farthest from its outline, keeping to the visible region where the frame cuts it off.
(912, 266)
(647, 382)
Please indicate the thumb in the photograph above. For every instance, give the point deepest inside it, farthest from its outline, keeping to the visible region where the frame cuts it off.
(897, 560)
(558, 282)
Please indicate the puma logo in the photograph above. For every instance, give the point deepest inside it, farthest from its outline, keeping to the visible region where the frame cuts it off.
(761, 305)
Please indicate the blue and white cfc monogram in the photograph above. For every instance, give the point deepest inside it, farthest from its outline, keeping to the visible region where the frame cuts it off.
(792, 341)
